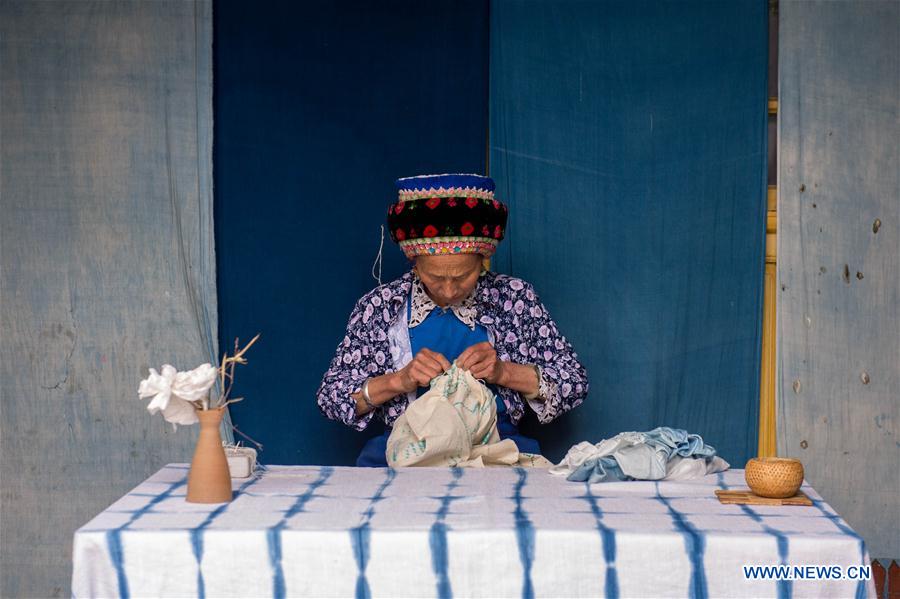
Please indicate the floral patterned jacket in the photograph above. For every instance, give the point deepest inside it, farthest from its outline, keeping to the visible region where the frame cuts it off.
(519, 327)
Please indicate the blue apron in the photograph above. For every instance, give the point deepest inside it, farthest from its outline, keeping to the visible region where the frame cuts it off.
(443, 332)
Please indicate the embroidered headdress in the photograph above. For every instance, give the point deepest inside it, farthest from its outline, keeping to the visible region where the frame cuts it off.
(447, 214)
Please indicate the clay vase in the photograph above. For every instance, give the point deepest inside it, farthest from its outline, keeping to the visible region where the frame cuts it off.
(209, 480)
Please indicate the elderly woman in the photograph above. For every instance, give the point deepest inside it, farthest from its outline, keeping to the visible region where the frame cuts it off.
(449, 308)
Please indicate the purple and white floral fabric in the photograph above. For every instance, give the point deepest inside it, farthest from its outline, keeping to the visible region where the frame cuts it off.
(521, 328)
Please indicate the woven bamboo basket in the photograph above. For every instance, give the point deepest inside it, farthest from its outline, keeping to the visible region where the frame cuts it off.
(774, 477)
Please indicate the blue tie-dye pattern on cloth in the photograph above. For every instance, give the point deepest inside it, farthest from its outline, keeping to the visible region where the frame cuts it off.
(316, 531)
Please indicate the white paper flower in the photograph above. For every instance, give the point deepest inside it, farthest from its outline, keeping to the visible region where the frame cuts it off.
(194, 384)
(172, 392)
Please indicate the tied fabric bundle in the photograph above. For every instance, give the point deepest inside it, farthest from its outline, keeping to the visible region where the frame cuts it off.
(661, 454)
(454, 424)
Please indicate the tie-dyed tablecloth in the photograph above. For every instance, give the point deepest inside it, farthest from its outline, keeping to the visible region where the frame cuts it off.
(418, 532)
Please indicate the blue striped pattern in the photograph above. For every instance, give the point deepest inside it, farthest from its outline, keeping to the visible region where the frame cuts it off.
(526, 509)
(608, 539)
(694, 545)
(197, 534)
(784, 588)
(273, 535)
(438, 538)
(524, 535)
(842, 526)
(359, 537)
(114, 537)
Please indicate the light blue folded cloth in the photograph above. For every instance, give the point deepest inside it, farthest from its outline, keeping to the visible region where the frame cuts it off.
(642, 456)
(598, 470)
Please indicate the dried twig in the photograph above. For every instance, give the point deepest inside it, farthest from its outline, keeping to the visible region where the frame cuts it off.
(235, 400)
(234, 362)
(226, 371)
(222, 374)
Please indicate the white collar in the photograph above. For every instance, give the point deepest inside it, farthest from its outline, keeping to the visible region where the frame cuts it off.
(422, 305)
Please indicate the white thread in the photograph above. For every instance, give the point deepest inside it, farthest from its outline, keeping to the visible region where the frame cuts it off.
(378, 259)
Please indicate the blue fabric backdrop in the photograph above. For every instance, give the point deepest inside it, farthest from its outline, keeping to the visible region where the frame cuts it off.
(106, 259)
(319, 107)
(629, 139)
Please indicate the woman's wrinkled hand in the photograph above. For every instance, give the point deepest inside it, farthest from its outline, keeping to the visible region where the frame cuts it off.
(481, 360)
(424, 366)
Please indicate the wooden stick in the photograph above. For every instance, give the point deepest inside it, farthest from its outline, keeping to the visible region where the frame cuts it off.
(235, 400)
(226, 371)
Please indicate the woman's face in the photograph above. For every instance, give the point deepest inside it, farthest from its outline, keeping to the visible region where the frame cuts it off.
(449, 279)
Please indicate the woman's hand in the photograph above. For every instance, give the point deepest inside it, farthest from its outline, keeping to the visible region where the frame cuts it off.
(424, 366)
(481, 360)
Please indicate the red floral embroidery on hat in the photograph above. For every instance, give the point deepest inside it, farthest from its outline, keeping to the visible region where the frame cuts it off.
(433, 203)
(496, 204)
(471, 202)
(429, 231)
(466, 229)
(498, 232)
(398, 207)
(412, 233)
(485, 231)
(451, 202)
(400, 234)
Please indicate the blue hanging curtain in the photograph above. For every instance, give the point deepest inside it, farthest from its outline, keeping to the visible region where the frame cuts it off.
(629, 139)
(320, 106)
